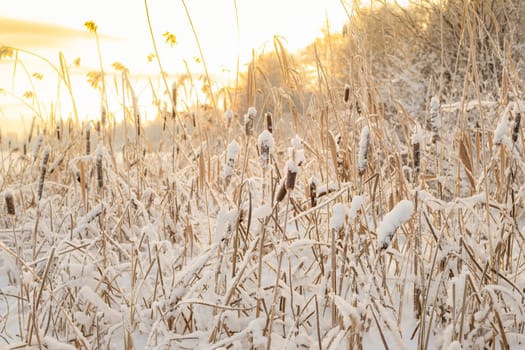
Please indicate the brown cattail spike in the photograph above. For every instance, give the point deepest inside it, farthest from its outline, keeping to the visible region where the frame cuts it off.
(282, 192)
(313, 193)
(347, 93)
(100, 177)
(43, 170)
(519, 108)
(103, 116)
(9, 203)
(249, 120)
(291, 174)
(516, 127)
(269, 125)
(88, 140)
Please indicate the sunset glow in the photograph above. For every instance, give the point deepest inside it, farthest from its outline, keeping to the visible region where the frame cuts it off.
(49, 27)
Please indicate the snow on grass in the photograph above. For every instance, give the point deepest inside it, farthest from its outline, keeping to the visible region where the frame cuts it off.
(392, 220)
(339, 213)
(363, 150)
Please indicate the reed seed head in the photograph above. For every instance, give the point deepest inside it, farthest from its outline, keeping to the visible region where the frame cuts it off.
(347, 93)
(269, 125)
(9, 203)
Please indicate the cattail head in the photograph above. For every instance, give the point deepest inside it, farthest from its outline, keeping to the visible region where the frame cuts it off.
(36, 146)
(296, 152)
(88, 139)
(231, 154)
(391, 222)
(266, 146)
(43, 170)
(57, 132)
(519, 109)
(363, 150)
(228, 116)
(435, 118)
(339, 213)
(347, 93)
(417, 140)
(249, 119)
(500, 133)
(9, 203)
(282, 192)
(103, 114)
(291, 174)
(268, 117)
(313, 191)
(98, 164)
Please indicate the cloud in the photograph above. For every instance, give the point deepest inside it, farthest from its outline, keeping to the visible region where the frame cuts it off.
(30, 35)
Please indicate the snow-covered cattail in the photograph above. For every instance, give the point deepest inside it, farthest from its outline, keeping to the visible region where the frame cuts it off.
(291, 174)
(88, 139)
(296, 152)
(519, 108)
(313, 191)
(288, 184)
(435, 120)
(503, 126)
(339, 212)
(249, 119)
(269, 125)
(392, 220)
(282, 192)
(43, 170)
(266, 146)
(36, 146)
(103, 114)
(228, 116)
(232, 151)
(98, 164)
(9, 203)
(347, 93)
(363, 150)
(417, 140)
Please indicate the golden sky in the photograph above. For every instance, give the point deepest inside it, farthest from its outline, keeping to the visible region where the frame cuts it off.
(48, 27)
(299, 21)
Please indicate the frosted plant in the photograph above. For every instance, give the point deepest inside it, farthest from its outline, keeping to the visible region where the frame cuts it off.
(363, 150)
(435, 119)
(266, 145)
(391, 222)
(231, 154)
(228, 116)
(249, 119)
(519, 109)
(417, 141)
(503, 126)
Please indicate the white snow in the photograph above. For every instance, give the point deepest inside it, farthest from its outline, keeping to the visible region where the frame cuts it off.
(252, 112)
(519, 106)
(392, 220)
(53, 344)
(357, 201)
(339, 212)
(291, 167)
(262, 212)
(232, 150)
(266, 138)
(228, 116)
(110, 315)
(363, 149)
(502, 129)
(417, 135)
